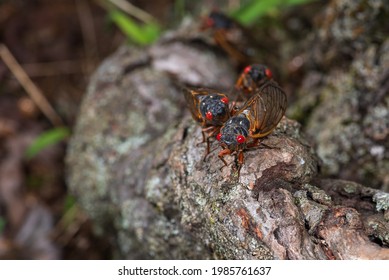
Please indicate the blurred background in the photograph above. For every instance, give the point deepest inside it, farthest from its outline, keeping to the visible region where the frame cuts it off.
(49, 49)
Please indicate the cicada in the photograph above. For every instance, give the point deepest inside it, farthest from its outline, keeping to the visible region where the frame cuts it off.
(252, 77)
(210, 109)
(257, 118)
(232, 37)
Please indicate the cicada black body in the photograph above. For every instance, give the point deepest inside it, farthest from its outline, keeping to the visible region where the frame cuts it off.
(210, 109)
(257, 118)
(252, 77)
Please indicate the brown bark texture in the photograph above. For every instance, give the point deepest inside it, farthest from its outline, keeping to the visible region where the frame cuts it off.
(136, 164)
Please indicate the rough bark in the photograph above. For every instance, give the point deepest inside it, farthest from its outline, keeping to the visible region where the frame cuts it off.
(136, 166)
(344, 100)
(272, 210)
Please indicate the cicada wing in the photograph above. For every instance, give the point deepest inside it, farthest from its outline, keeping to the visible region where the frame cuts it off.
(265, 109)
(232, 50)
(193, 98)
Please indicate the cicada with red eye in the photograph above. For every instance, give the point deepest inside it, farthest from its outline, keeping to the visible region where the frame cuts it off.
(232, 37)
(210, 109)
(252, 77)
(257, 118)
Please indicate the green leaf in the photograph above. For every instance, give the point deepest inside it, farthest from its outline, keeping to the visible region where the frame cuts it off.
(140, 34)
(70, 211)
(46, 139)
(255, 9)
(151, 32)
(179, 8)
(70, 201)
(298, 2)
(2, 224)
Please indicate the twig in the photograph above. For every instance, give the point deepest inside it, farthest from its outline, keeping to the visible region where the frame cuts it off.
(88, 33)
(68, 226)
(53, 68)
(133, 11)
(33, 91)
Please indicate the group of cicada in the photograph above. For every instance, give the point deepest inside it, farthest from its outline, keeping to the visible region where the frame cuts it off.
(238, 122)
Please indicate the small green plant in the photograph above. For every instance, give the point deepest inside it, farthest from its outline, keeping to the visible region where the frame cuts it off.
(47, 139)
(70, 210)
(69, 203)
(2, 224)
(142, 34)
(147, 32)
(254, 9)
(179, 8)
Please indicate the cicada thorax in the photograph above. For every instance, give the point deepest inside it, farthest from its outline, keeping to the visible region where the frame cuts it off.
(257, 118)
(214, 109)
(252, 77)
(234, 133)
(217, 20)
(233, 138)
(210, 109)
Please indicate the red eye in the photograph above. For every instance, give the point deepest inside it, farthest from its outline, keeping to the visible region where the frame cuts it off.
(224, 100)
(210, 22)
(218, 137)
(209, 116)
(240, 138)
(247, 69)
(268, 73)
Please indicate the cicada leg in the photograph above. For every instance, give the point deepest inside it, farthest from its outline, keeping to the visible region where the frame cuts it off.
(208, 133)
(240, 158)
(208, 148)
(253, 144)
(221, 155)
(240, 161)
(256, 144)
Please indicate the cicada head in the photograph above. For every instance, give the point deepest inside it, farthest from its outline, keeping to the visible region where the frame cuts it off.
(217, 20)
(234, 133)
(252, 77)
(214, 109)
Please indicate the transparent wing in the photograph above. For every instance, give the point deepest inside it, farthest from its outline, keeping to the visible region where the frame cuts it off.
(229, 47)
(265, 109)
(193, 99)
